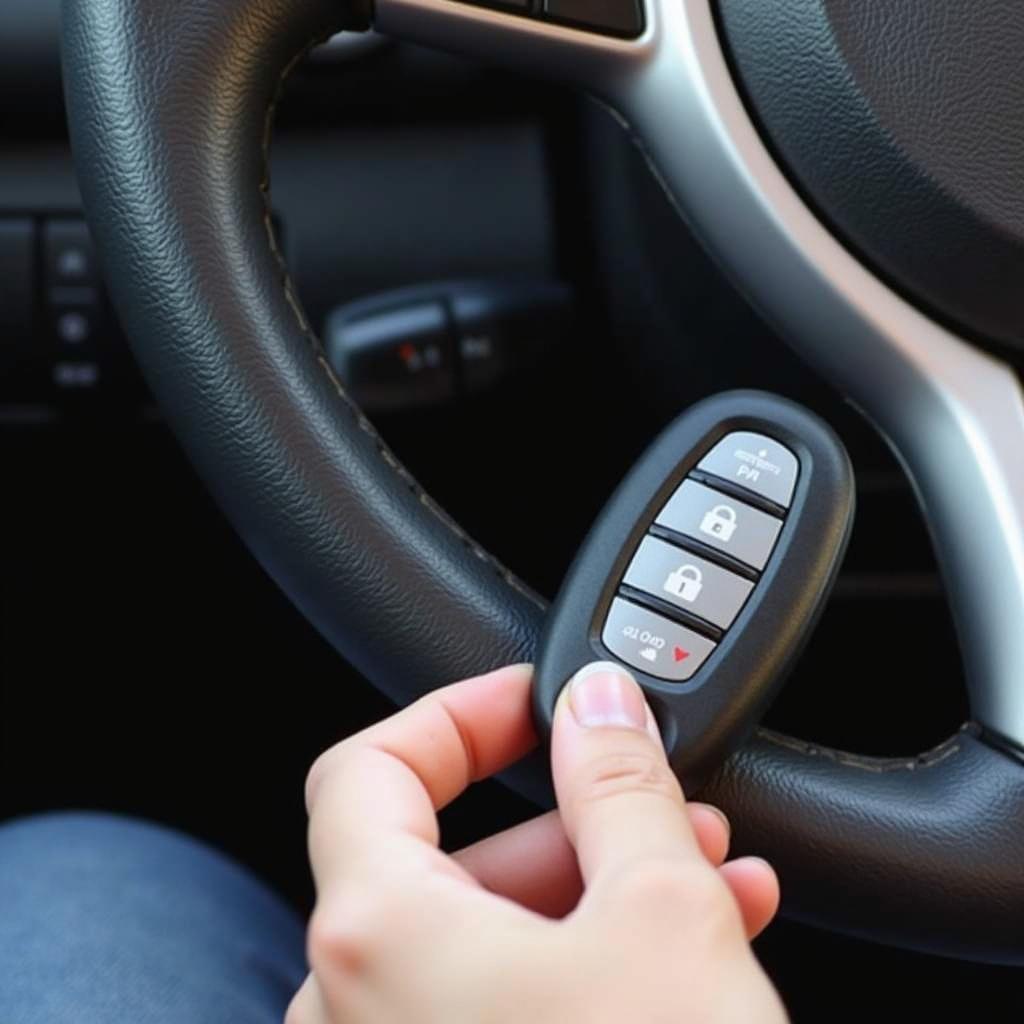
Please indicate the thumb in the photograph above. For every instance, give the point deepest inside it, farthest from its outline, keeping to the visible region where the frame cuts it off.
(619, 800)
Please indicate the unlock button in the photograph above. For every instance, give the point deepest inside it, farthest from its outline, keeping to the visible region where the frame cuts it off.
(688, 582)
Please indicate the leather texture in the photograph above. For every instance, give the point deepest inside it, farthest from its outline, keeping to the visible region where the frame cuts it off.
(170, 107)
(922, 852)
(900, 123)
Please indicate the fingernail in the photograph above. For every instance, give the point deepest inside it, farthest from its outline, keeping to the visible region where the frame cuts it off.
(604, 694)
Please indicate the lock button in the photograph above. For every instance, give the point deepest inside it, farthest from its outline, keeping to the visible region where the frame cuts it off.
(719, 522)
(685, 580)
(722, 522)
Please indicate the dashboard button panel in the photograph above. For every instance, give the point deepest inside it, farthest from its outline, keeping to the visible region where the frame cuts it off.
(69, 255)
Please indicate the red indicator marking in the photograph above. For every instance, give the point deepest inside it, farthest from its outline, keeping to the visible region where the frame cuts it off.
(407, 352)
(680, 654)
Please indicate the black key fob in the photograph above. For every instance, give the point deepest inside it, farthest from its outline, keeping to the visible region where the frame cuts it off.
(706, 571)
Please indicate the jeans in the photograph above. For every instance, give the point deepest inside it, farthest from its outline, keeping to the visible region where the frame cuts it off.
(108, 921)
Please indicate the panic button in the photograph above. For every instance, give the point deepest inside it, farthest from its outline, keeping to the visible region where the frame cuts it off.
(755, 463)
(652, 644)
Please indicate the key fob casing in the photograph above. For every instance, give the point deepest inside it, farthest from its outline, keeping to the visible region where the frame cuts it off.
(758, 531)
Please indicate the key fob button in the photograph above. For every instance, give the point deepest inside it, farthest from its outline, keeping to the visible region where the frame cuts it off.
(653, 644)
(755, 463)
(721, 522)
(687, 581)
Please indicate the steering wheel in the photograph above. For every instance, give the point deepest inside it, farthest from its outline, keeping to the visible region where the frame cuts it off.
(860, 191)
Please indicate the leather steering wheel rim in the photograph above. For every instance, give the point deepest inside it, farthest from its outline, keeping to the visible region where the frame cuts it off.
(170, 109)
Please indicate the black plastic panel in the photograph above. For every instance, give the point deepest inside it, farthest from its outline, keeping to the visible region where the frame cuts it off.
(17, 288)
(616, 17)
(369, 209)
(30, 88)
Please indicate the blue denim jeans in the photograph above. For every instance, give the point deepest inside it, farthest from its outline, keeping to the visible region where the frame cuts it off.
(109, 921)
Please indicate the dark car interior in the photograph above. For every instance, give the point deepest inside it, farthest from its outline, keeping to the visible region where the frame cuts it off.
(502, 281)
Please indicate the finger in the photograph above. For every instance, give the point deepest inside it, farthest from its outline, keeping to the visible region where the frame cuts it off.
(535, 865)
(372, 791)
(712, 829)
(755, 886)
(307, 1006)
(619, 800)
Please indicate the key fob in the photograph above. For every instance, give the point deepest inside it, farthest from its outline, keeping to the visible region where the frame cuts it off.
(706, 571)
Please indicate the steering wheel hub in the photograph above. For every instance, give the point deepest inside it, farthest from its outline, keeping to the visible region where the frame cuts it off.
(899, 122)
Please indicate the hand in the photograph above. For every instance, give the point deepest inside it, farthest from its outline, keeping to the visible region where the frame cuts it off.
(618, 909)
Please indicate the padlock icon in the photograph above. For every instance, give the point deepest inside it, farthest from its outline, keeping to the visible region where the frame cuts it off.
(720, 523)
(686, 583)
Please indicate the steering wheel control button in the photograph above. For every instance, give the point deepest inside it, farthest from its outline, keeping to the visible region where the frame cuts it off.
(395, 359)
(428, 344)
(76, 328)
(688, 582)
(614, 17)
(757, 464)
(69, 255)
(722, 523)
(506, 329)
(653, 644)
